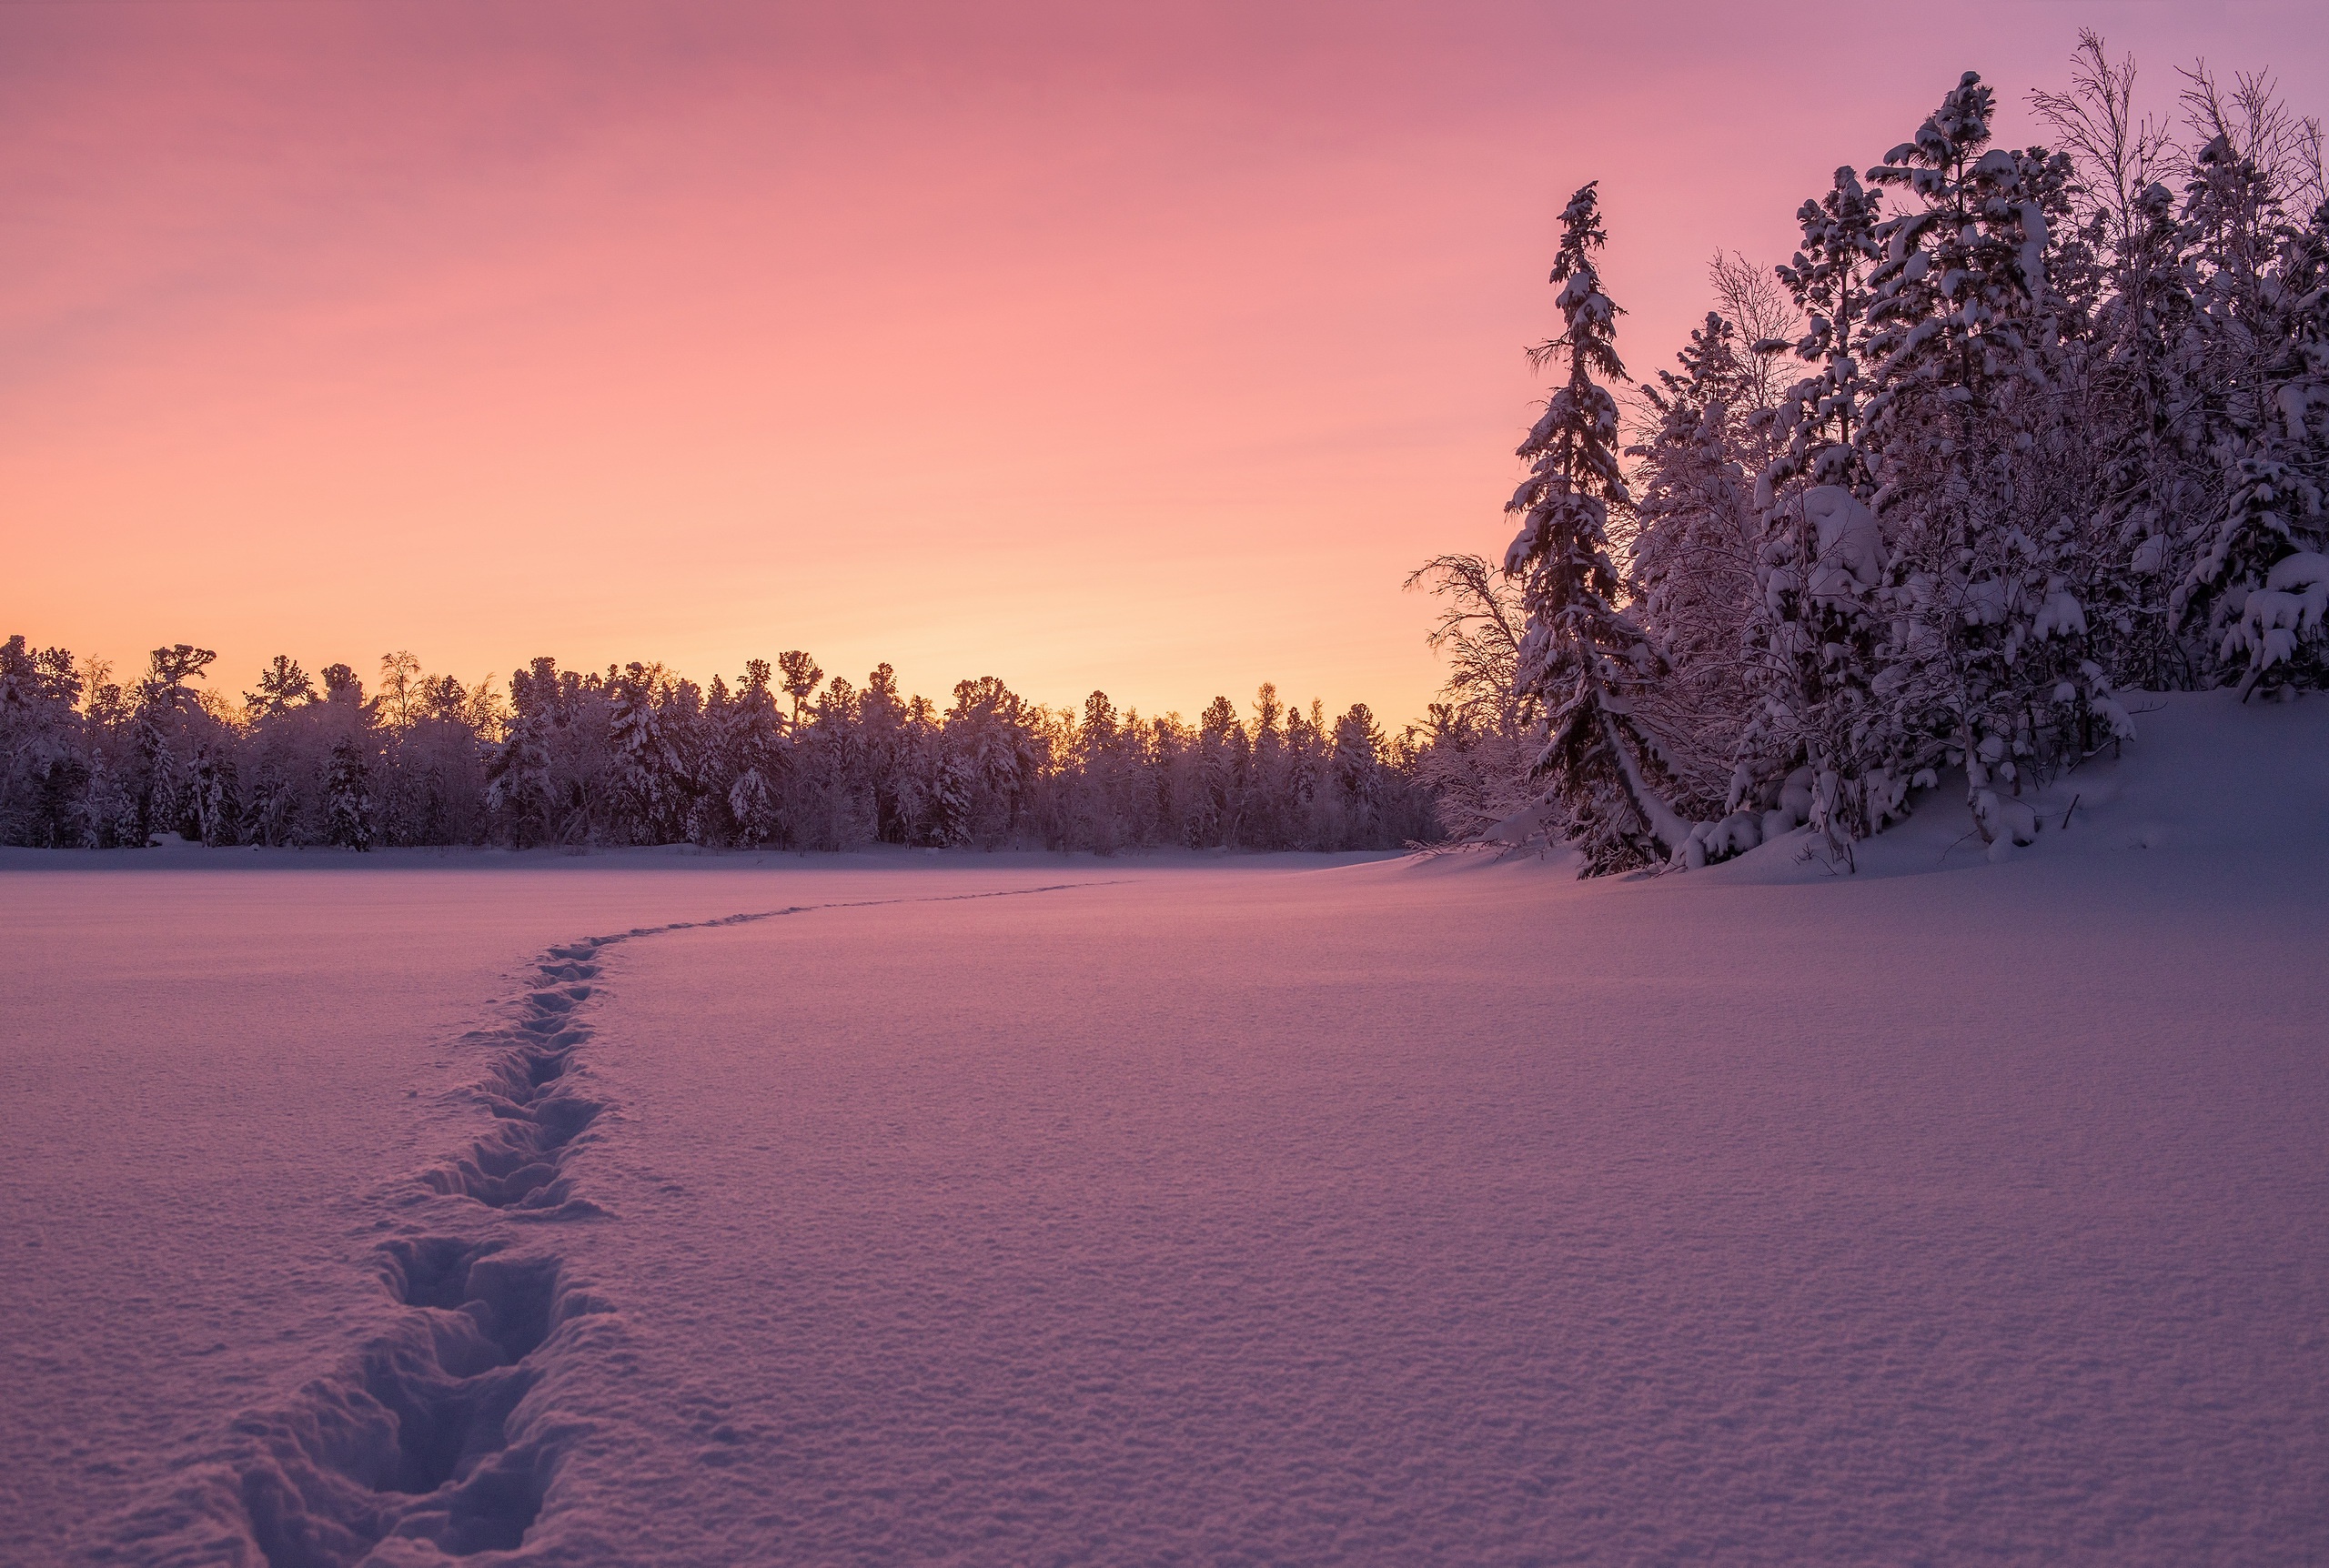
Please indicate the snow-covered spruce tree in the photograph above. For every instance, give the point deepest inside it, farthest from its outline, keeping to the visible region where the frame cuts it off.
(1357, 771)
(892, 754)
(833, 798)
(1581, 656)
(2268, 564)
(756, 750)
(1092, 817)
(438, 753)
(347, 796)
(216, 802)
(519, 787)
(167, 725)
(2162, 477)
(2270, 551)
(1818, 424)
(1990, 661)
(1265, 823)
(2258, 585)
(2144, 413)
(1305, 771)
(915, 769)
(1223, 755)
(44, 765)
(988, 759)
(649, 795)
(345, 725)
(1691, 553)
(277, 754)
(107, 813)
(2231, 208)
(710, 769)
(2278, 520)
(1812, 745)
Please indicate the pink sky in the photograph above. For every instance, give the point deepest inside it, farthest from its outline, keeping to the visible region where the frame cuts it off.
(1148, 355)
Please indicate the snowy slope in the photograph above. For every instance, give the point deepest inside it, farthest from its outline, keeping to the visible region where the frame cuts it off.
(2205, 774)
(1418, 1212)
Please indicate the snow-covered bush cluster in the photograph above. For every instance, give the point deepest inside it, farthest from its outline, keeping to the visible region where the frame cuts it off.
(640, 756)
(2014, 431)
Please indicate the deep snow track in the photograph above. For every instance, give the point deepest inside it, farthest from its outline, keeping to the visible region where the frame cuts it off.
(441, 1435)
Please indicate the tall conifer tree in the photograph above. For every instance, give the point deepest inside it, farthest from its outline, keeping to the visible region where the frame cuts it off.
(1582, 656)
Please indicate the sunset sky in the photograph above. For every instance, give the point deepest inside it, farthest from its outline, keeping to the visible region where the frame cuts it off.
(1144, 354)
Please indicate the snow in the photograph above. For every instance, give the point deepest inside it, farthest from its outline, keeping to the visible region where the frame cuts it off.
(1852, 546)
(2286, 611)
(2032, 253)
(993, 1209)
(2061, 616)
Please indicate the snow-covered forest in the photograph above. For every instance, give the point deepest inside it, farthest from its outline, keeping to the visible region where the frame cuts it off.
(2014, 432)
(637, 755)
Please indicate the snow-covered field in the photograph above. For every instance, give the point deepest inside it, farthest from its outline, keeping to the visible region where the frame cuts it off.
(994, 1210)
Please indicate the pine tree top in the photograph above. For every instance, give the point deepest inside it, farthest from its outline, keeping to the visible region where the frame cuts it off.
(1589, 317)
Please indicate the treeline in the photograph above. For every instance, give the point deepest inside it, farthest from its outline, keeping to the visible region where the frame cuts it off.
(2013, 431)
(637, 755)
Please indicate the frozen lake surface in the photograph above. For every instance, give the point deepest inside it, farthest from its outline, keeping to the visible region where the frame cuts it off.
(995, 1210)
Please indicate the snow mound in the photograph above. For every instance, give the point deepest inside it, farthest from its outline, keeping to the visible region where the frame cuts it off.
(2206, 773)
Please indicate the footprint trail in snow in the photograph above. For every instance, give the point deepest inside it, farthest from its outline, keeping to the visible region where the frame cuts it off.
(442, 1434)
